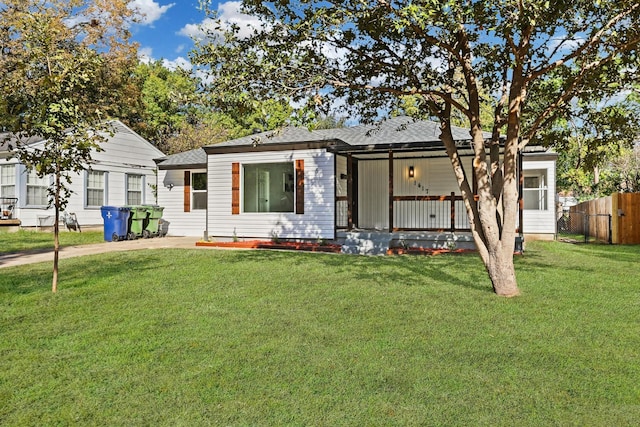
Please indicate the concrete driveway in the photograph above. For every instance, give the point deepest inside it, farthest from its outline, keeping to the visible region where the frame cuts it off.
(22, 258)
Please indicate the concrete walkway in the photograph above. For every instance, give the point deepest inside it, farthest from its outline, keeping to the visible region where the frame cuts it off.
(22, 258)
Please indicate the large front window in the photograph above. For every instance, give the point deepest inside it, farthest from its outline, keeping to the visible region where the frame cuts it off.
(199, 190)
(268, 187)
(134, 189)
(535, 190)
(8, 181)
(37, 190)
(95, 186)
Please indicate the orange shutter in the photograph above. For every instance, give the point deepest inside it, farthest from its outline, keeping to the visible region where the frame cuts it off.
(300, 186)
(187, 191)
(235, 188)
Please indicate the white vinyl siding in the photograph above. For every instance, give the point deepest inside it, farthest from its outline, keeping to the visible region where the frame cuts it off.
(319, 197)
(171, 197)
(536, 220)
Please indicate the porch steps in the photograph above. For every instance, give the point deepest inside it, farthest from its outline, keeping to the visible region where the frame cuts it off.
(378, 242)
(364, 243)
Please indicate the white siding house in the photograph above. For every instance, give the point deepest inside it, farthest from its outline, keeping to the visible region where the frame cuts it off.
(301, 184)
(123, 174)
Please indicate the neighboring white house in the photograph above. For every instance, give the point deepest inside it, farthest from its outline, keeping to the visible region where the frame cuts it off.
(123, 174)
(302, 184)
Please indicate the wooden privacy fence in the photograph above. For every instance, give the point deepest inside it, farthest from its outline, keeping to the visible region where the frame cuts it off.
(622, 208)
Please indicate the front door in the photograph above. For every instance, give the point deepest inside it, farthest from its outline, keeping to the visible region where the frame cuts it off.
(263, 190)
(373, 194)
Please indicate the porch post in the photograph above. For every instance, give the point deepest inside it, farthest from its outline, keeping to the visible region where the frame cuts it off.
(390, 191)
(349, 191)
(453, 212)
(520, 194)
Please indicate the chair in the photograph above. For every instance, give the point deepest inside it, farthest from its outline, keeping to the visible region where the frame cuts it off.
(70, 221)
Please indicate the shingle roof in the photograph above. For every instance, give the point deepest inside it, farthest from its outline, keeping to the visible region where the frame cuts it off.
(288, 135)
(7, 139)
(192, 158)
(398, 131)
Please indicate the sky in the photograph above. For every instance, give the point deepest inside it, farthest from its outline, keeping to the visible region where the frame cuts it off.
(167, 29)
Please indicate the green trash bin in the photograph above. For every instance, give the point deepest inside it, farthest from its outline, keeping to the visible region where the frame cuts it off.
(137, 221)
(151, 228)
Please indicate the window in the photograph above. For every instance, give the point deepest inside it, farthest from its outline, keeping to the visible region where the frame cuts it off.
(37, 190)
(535, 190)
(95, 188)
(199, 190)
(269, 187)
(134, 189)
(8, 181)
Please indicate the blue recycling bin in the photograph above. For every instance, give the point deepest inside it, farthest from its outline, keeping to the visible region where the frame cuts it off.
(116, 222)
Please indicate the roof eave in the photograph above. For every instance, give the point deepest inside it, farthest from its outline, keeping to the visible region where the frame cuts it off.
(284, 146)
(182, 166)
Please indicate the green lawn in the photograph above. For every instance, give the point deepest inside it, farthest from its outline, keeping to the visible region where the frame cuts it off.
(208, 337)
(25, 240)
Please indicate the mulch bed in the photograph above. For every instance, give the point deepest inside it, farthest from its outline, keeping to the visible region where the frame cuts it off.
(266, 244)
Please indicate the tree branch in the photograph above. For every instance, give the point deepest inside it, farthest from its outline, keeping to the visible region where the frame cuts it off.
(592, 42)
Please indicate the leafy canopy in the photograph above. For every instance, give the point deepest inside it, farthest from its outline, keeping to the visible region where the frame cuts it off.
(368, 54)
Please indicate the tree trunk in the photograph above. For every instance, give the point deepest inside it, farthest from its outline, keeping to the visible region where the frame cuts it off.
(499, 264)
(56, 233)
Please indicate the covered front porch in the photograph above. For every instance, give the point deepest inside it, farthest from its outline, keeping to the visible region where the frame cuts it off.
(403, 191)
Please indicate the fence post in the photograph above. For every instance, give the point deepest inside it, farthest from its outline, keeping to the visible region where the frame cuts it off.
(610, 230)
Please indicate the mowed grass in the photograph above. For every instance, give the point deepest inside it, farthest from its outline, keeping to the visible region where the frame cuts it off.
(210, 337)
(25, 240)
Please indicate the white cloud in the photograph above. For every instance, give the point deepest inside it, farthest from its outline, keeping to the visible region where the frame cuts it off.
(197, 31)
(145, 55)
(179, 62)
(149, 11)
(229, 14)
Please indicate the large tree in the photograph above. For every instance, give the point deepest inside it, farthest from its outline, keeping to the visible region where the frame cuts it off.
(454, 56)
(57, 58)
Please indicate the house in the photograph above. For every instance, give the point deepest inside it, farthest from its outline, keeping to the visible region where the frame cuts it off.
(123, 174)
(299, 184)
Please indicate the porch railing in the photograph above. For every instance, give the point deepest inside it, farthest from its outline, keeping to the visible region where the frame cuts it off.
(430, 213)
(7, 206)
(418, 213)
